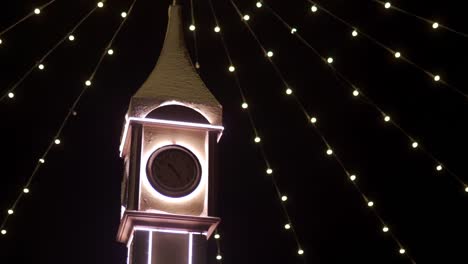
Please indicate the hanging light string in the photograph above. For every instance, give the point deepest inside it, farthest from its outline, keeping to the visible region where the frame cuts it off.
(39, 64)
(71, 112)
(282, 198)
(219, 255)
(396, 54)
(329, 151)
(36, 11)
(193, 28)
(359, 94)
(432, 23)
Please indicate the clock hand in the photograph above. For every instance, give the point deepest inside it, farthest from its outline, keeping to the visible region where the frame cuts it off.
(174, 170)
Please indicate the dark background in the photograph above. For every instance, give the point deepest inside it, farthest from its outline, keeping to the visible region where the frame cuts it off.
(72, 212)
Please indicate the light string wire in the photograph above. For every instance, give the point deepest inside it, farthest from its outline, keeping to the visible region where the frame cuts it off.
(32, 13)
(350, 176)
(70, 113)
(397, 54)
(193, 29)
(257, 139)
(433, 23)
(219, 254)
(358, 92)
(10, 92)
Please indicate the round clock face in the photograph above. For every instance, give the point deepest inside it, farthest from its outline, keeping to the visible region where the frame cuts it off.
(174, 171)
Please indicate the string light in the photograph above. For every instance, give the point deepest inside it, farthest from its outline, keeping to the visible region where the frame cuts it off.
(370, 203)
(123, 14)
(26, 190)
(439, 167)
(387, 118)
(293, 30)
(415, 144)
(354, 33)
(402, 251)
(289, 91)
(385, 229)
(100, 4)
(300, 252)
(435, 25)
(192, 27)
(259, 4)
(246, 17)
(284, 198)
(313, 120)
(330, 60)
(270, 54)
(287, 226)
(217, 236)
(71, 37)
(245, 105)
(219, 257)
(397, 54)
(257, 139)
(11, 95)
(37, 11)
(313, 8)
(42, 161)
(88, 83)
(3, 232)
(269, 171)
(329, 152)
(437, 78)
(110, 52)
(387, 5)
(355, 92)
(41, 66)
(10, 211)
(57, 141)
(232, 68)
(1, 41)
(466, 189)
(352, 177)
(217, 29)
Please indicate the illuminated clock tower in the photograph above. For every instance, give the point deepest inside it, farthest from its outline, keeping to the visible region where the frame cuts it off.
(168, 145)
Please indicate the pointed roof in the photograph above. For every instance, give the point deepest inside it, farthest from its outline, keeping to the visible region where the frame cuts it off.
(174, 79)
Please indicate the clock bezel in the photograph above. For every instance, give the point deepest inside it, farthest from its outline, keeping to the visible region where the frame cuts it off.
(162, 188)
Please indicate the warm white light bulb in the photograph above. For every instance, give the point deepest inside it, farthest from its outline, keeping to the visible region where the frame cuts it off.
(402, 251)
(71, 37)
(37, 11)
(435, 25)
(232, 68)
(293, 30)
(11, 95)
(192, 27)
(437, 78)
(42, 161)
(387, 118)
(26, 190)
(217, 29)
(219, 257)
(257, 139)
(287, 226)
(259, 4)
(313, 120)
(10, 211)
(288, 91)
(41, 66)
(355, 92)
(329, 152)
(354, 33)
(397, 54)
(439, 167)
(352, 177)
(414, 144)
(300, 252)
(245, 105)
(3, 232)
(387, 5)
(110, 51)
(0, 41)
(284, 198)
(313, 8)
(88, 83)
(123, 14)
(385, 229)
(370, 203)
(217, 236)
(100, 4)
(57, 141)
(246, 17)
(269, 171)
(330, 60)
(270, 54)
(466, 189)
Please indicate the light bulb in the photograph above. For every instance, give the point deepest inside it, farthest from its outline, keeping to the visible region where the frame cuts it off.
(355, 92)
(26, 190)
(42, 161)
(245, 105)
(313, 9)
(11, 95)
(0, 41)
(352, 177)
(293, 30)
(370, 203)
(217, 236)
(402, 251)
(123, 14)
(257, 139)
(466, 189)
(88, 83)
(246, 17)
(232, 68)
(284, 198)
(439, 167)
(57, 141)
(387, 118)
(192, 27)
(10, 211)
(329, 152)
(397, 54)
(259, 4)
(387, 5)
(385, 229)
(37, 11)
(269, 171)
(71, 38)
(217, 29)
(100, 4)
(437, 78)
(300, 252)
(41, 66)
(330, 60)
(288, 91)
(435, 25)
(110, 51)
(313, 120)
(3, 232)
(354, 33)
(414, 144)
(287, 226)
(219, 257)
(270, 54)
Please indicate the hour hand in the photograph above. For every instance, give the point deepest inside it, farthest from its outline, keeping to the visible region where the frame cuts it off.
(174, 170)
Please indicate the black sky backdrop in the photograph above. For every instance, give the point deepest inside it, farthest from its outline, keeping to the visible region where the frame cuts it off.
(72, 212)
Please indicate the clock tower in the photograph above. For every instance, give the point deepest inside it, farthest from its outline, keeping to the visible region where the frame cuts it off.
(168, 145)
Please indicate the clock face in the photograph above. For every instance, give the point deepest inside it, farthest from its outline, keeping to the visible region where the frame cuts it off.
(174, 171)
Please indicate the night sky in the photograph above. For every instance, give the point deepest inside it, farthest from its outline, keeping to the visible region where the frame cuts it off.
(72, 213)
